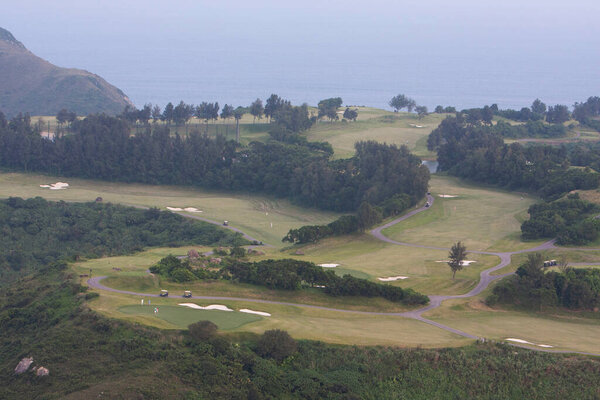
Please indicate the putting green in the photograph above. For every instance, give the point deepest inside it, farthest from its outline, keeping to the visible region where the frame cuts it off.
(181, 316)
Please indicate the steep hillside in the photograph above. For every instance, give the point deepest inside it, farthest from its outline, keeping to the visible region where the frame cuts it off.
(31, 84)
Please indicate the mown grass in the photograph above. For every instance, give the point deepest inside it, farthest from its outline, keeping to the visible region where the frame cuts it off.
(382, 126)
(251, 213)
(482, 218)
(181, 317)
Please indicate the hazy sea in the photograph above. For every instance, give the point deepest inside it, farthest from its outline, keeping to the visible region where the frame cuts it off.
(362, 75)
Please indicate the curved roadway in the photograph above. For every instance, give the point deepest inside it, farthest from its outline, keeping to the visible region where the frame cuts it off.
(434, 300)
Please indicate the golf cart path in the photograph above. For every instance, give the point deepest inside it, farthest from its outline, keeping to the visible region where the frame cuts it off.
(435, 300)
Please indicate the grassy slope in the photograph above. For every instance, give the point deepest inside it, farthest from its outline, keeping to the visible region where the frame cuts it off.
(247, 212)
(484, 219)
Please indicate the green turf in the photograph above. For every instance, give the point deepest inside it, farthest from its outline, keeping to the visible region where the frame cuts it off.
(253, 214)
(181, 316)
(482, 218)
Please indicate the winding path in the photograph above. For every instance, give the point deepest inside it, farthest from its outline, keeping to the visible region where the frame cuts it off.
(434, 300)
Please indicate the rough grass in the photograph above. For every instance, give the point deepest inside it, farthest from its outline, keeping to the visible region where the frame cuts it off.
(561, 330)
(253, 214)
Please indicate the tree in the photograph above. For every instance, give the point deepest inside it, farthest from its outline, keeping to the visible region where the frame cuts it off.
(257, 109)
(202, 330)
(328, 108)
(457, 256)
(367, 216)
(238, 114)
(401, 101)
(421, 111)
(558, 114)
(167, 114)
(350, 114)
(273, 105)
(227, 112)
(439, 110)
(156, 113)
(538, 107)
(276, 344)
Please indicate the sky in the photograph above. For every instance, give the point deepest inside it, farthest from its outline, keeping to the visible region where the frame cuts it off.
(469, 49)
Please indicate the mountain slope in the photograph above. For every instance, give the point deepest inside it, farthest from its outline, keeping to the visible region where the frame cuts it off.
(31, 84)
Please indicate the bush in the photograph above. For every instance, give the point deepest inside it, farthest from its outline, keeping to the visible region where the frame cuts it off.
(276, 344)
(202, 330)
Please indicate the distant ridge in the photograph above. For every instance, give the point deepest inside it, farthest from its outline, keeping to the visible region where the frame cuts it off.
(33, 85)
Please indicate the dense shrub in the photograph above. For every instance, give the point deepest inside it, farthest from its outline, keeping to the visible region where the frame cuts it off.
(276, 344)
(202, 330)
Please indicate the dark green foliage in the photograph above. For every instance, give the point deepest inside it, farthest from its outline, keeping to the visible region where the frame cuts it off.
(344, 225)
(36, 232)
(367, 216)
(531, 129)
(401, 101)
(479, 153)
(101, 147)
(458, 254)
(181, 271)
(350, 114)
(88, 354)
(571, 220)
(288, 274)
(276, 344)
(558, 114)
(533, 288)
(202, 330)
(328, 108)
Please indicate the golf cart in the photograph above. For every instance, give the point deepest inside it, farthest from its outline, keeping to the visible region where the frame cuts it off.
(225, 223)
(426, 204)
(164, 293)
(187, 294)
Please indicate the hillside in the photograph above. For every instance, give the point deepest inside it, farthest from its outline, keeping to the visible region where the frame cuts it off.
(31, 84)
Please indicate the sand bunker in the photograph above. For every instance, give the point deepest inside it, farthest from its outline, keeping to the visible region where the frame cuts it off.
(392, 278)
(211, 307)
(417, 126)
(464, 263)
(328, 265)
(187, 209)
(264, 314)
(56, 186)
(526, 342)
(447, 196)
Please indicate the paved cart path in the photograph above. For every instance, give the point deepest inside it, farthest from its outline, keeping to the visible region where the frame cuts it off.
(486, 278)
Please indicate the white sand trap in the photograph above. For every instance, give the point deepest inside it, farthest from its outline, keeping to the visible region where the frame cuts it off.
(192, 209)
(56, 186)
(174, 209)
(211, 307)
(328, 265)
(247, 311)
(447, 196)
(518, 341)
(544, 345)
(392, 278)
(464, 263)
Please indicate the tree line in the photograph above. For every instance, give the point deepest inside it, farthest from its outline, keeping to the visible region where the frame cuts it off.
(478, 152)
(286, 274)
(36, 232)
(570, 220)
(102, 147)
(534, 288)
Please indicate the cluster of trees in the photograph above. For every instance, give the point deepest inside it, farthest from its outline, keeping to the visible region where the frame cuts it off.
(570, 220)
(328, 108)
(534, 288)
(401, 101)
(530, 129)
(36, 232)
(64, 116)
(588, 112)
(101, 147)
(47, 317)
(479, 153)
(288, 274)
(366, 216)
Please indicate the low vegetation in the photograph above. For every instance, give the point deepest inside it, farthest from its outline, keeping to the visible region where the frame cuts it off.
(89, 356)
(36, 232)
(570, 220)
(535, 289)
(285, 274)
